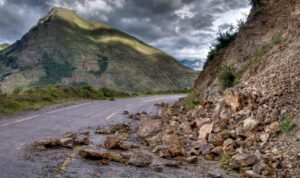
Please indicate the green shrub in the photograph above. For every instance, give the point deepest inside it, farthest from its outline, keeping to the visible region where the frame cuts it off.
(260, 52)
(225, 159)
(191, 102)
(286, 123)
(227, 76)
(55, 71)
(222, 41)
(102, 64)
(276, 39)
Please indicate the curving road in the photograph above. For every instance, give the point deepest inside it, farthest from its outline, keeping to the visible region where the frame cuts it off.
(18, 132)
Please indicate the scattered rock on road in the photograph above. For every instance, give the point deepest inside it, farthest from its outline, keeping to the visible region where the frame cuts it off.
(140, 159)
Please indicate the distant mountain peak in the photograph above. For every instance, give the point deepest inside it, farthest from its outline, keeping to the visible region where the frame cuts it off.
(70, 16)
(66, 49)
(195, 64)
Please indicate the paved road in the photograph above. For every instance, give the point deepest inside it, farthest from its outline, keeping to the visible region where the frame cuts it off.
(17, 132)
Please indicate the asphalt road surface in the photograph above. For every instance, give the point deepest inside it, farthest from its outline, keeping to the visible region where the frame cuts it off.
(17, 132)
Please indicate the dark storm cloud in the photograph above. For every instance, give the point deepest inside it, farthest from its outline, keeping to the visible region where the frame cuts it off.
(183, 28)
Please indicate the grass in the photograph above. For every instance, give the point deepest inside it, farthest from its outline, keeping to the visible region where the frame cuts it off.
(277, 38)
(286, 123)
(227, 76)
(225, 159)
(22, 99)
(260, 52)
(35, 98)
(191, 101)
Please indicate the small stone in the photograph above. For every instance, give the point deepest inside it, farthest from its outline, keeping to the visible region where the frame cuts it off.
(82, 141)
(252, 174)
(174, 164)
(250, 123)
(140, 159)
(215, 139)
(272, 128)
(69, 135)
(205, 148)
(92, 153)
(218, 150)
(157, 168)
(47, 143)
(104, 162)
(201, 121)
(192, 159)
(127, 145)
(67, 142)
(245, 160)
(112, 142)
(215, 173)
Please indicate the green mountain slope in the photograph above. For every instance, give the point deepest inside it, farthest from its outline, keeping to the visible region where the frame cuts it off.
(64, 48)
(3, 46)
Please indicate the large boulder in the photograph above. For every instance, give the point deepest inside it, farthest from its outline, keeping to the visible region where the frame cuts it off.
(205, 130)
(233, 100)
(174, 144)
(149, 129)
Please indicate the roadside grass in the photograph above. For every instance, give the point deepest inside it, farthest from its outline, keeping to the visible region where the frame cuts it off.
(22, 99)
(286, 123)
(35, 98)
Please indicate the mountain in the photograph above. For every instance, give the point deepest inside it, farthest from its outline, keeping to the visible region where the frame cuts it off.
(3, 46)
(196, 64)
(63, 48)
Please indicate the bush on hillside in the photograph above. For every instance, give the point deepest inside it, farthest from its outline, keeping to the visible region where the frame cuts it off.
(227, 77)
(222, 41)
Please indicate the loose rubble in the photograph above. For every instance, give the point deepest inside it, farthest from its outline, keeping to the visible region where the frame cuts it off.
(236, 129)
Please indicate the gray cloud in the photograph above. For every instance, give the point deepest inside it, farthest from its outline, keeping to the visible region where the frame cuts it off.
(183, 28)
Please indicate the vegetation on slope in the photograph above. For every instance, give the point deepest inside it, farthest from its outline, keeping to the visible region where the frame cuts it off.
(222, 41)
(3, 46)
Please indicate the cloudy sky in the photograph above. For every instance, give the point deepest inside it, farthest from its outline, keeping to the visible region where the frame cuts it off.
(183, 28)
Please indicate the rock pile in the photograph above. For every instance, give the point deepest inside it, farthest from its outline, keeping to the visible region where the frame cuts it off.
(238, 129)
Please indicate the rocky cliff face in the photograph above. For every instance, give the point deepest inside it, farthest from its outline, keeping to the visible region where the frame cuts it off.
(63, 48)
(267, 45)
